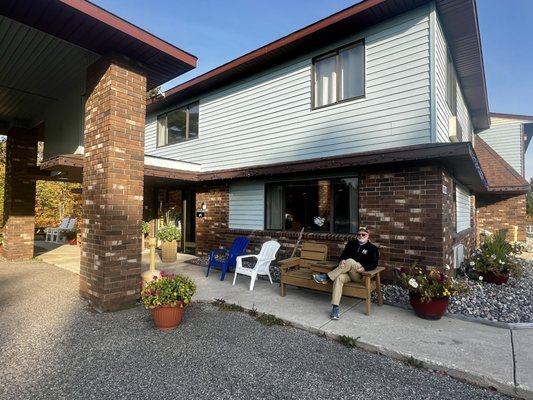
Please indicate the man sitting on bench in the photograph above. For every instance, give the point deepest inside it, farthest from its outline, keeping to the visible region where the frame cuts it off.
(358, 256)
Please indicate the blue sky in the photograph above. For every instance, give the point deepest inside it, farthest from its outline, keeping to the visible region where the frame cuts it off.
(218, 31)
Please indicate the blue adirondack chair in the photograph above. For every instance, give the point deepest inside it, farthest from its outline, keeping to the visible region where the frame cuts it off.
(238, 248)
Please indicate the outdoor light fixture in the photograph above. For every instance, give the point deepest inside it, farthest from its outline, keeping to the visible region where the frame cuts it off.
(204, 206)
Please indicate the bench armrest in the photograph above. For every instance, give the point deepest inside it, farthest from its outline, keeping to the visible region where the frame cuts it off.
(373, 272)
(288, 263)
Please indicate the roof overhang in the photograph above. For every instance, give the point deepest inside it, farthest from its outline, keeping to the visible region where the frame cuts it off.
(93, 28)
(458, 16)
(69, 167)
(502, 178)
(461, 27)
(458, 158)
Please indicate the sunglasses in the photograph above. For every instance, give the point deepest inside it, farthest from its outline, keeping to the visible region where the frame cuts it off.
(362, 234)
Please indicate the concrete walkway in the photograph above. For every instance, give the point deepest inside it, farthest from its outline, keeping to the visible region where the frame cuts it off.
(484, 355)
(481, 354)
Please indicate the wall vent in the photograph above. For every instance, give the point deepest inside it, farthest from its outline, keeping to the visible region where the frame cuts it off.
(455, 131)
(458, 255)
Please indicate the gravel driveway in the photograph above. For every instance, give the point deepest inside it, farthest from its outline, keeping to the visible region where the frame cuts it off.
(52, 346)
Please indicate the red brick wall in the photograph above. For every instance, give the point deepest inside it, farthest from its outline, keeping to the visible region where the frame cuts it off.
(403, 207)
(502, 212)
(19, 195)
(112, 185)
(212, 230)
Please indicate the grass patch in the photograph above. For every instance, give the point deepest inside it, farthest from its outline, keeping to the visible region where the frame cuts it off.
(223, 306)
(265, 319)
(270, 320)
(413, 362)
(349, 341)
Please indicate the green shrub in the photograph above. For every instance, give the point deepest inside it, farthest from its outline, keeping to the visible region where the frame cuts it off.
(495, 255)
(349, 341)
(169, 232)
(145, 228)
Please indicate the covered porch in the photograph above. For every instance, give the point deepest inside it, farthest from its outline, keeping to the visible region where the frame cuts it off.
(75, 77)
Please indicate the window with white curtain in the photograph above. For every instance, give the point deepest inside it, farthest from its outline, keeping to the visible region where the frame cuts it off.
(339, 75)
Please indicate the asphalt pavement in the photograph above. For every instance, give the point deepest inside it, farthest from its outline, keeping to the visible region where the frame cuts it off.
(52, 346)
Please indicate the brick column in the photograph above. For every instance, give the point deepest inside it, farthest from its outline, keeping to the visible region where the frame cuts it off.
(112, 185)
(19, 195)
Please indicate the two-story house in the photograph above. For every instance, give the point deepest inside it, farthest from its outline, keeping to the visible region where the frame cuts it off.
(368, 117)
(376, 115)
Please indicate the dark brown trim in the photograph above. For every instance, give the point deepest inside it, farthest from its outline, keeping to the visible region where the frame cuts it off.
(336, 53)
(459, 158)
(131, 30)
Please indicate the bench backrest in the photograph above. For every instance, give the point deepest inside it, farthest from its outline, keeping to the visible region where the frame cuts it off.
(314, 251)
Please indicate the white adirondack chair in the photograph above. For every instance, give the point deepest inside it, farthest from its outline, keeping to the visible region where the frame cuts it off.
(264, 258)
(51, 233)
(62, 233)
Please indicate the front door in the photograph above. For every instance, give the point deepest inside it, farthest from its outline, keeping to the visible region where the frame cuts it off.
(179, 206)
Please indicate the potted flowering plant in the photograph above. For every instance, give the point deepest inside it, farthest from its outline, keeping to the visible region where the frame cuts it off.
(429, 289)
(169, 234)
(166, 297)
(494, 261)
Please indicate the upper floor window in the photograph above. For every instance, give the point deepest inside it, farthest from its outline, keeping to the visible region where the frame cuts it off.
(339, 75)
(178, 125)
(451, 85)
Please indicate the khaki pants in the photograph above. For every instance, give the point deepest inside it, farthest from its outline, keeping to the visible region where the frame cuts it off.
(341, 275)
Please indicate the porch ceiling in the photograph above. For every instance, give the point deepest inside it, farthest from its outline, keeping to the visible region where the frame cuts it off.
(35, 68)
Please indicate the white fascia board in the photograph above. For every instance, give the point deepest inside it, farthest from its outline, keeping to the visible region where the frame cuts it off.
(172, 164)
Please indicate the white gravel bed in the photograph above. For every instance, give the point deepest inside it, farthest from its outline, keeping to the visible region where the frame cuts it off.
(511, 302)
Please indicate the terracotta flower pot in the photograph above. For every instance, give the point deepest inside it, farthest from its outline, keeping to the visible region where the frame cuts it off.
(169, 251)
(491, 277)
(167, 318)
(433, 309)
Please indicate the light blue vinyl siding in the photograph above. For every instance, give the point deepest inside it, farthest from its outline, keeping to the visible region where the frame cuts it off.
(246, 205)
(443, 112)
(463, 208)
(505, 137)
(268, 118)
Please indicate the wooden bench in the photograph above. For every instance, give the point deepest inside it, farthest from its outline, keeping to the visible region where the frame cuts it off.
(298, 271)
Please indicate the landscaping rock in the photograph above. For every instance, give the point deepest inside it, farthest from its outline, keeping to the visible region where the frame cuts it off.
(511, 302)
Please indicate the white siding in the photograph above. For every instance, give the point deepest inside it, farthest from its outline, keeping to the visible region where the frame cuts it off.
(246, 205)
(505, 137)
(268, 118)
(443, 112)
(463, 208)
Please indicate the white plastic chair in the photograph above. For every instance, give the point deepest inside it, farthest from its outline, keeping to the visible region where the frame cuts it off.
(264, 258)
(51, 233)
